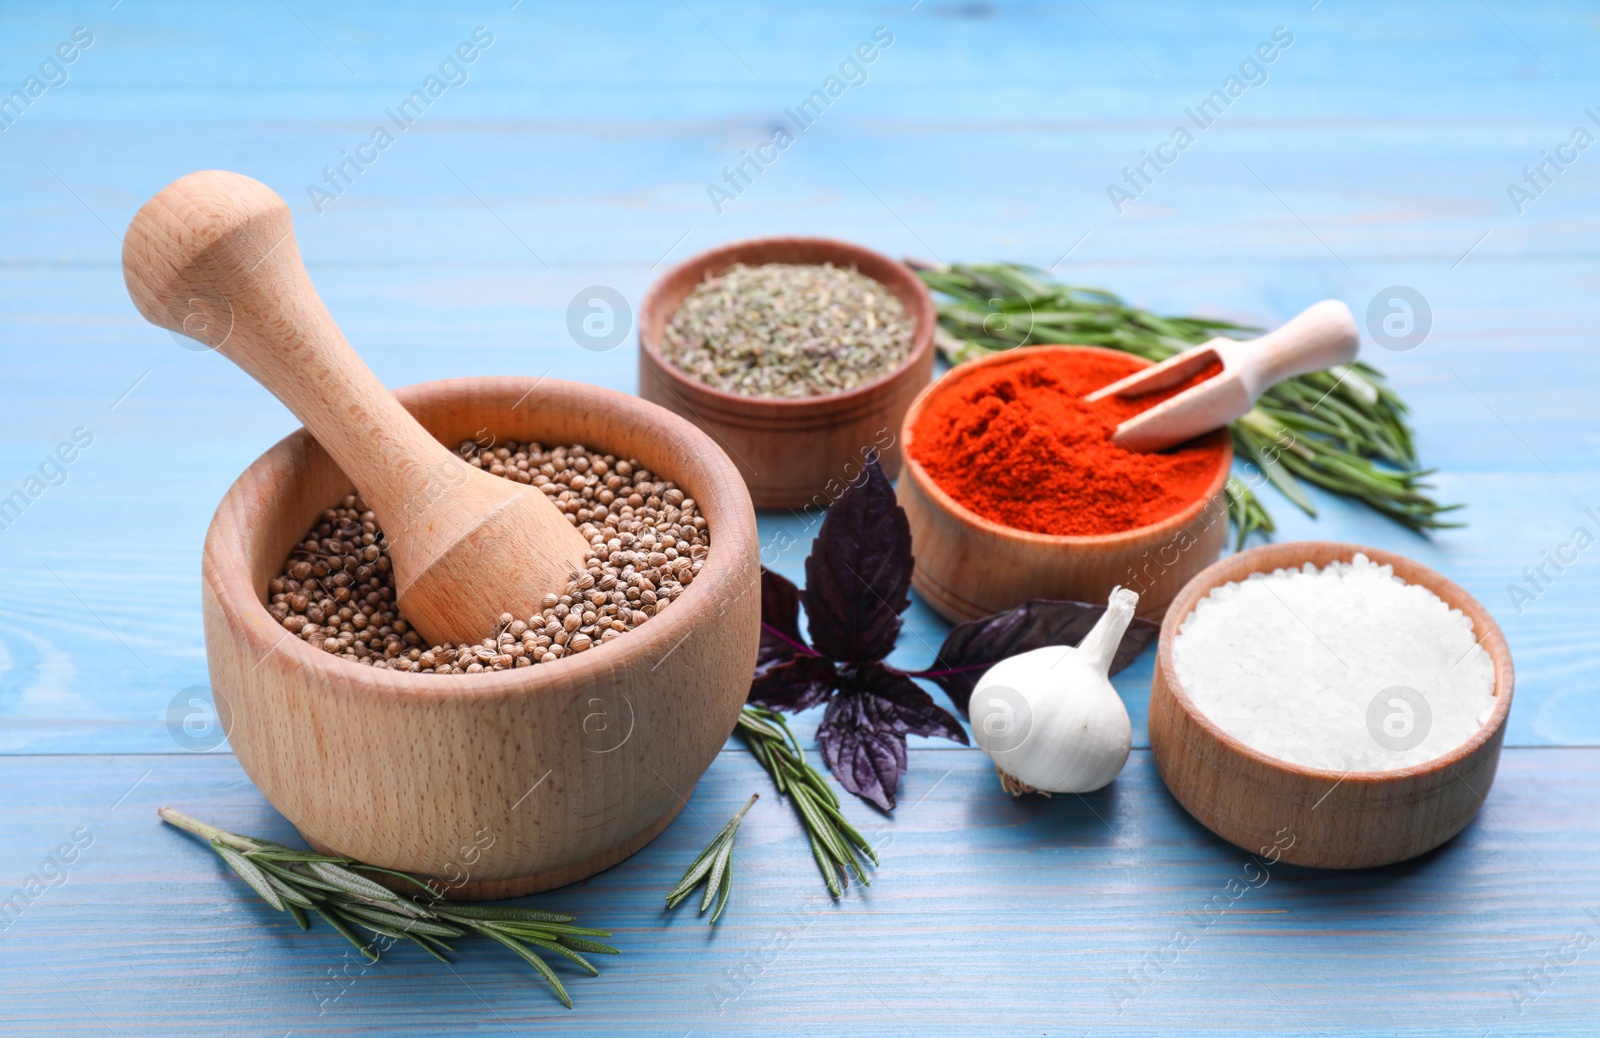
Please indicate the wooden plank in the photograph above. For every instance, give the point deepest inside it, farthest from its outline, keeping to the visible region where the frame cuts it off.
(578, 153)
(988, 916)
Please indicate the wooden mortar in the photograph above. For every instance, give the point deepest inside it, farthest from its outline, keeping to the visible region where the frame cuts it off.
(563, 769)
(1318, 816)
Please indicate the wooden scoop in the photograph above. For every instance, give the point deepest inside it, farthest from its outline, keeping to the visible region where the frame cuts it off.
(1321, 336)
(213, 257)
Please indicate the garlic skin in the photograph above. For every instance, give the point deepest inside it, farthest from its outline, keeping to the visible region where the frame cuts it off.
(1050, 719)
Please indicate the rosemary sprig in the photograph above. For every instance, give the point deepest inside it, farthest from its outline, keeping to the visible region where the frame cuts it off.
(1342, 429)
(835, 843)
(1246, 511)
(333, 887)
(714, 867)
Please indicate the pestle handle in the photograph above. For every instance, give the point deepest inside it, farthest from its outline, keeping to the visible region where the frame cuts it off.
(213, 256)
(1321, 336)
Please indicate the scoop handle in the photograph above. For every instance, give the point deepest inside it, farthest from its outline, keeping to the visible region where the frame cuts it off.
(1321, 336)
(213, 256)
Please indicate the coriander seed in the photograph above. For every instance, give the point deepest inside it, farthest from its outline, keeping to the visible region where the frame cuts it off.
(336, 591)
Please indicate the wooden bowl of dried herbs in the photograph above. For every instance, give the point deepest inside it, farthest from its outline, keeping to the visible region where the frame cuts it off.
(799, 356)
(558, 745)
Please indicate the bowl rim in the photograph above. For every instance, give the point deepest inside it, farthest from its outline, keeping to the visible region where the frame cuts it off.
(1266, 558)
(912, 467)
(225, 562)
(719, 257)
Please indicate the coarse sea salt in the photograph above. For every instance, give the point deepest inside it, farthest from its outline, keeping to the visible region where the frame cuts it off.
(1347, 667)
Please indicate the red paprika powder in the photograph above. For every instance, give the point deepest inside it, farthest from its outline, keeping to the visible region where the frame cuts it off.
(1016, 443)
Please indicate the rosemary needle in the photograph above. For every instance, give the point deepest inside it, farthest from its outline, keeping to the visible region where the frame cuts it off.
(714, 867)
(835, 843)
(334, 888)
(1343, 429)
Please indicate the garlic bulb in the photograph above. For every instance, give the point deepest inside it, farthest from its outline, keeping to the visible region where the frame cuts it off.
(1049, 718)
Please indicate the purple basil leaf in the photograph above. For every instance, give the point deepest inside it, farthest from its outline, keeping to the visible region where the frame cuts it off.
(780, 621)
(898, 704)
(797, 684)
(867, 760)
(859, 571)
(973, 647)
(863, 734)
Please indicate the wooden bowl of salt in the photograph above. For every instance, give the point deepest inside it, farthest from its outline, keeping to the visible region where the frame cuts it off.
(1327, 817)
(503, 782)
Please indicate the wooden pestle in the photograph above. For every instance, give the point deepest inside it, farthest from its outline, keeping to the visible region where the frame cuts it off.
(213, 256)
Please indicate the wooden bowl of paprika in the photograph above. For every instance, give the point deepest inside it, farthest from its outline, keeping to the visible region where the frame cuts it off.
(1015, 488)
(793, 452)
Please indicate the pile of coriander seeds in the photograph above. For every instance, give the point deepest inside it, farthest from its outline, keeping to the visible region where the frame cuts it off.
(647, 543)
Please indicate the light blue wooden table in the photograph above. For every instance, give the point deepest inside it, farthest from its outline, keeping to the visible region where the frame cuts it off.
(1379, 148)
